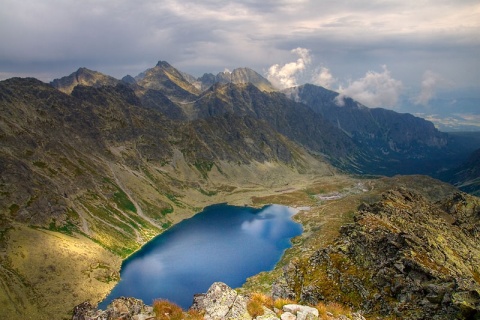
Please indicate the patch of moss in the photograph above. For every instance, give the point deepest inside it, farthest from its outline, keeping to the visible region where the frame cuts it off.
(207, 192)
(123, 202)
(204, 167)
(174, 199)
(166, 225)
(109, 215)
(14, 209)
(68, 228)
(40, 164)
(166, 211)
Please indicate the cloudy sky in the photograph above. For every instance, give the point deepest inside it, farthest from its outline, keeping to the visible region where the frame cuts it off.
(377, 51)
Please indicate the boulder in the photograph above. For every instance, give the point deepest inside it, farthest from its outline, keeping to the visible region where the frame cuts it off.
(303, 310)
(221, 302)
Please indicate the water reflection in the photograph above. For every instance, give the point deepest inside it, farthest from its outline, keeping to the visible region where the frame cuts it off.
(222, 243)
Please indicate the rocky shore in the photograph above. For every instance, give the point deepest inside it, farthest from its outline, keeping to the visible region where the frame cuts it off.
(219, 302)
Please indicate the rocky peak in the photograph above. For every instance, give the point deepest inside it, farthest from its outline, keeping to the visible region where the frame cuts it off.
(164, 64)
(85, 77)
(170, 81)
(129, 79)
(237, 76)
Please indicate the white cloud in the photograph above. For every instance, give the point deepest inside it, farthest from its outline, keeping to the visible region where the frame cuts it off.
(374, 89)
(323, 77)
(430, 83)
(285, 76)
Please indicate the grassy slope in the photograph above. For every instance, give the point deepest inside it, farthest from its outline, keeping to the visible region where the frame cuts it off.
(45, 273)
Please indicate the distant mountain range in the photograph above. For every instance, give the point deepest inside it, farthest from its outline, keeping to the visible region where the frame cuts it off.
(352, 136)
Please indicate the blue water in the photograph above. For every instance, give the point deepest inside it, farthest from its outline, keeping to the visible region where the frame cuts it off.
(222, 243)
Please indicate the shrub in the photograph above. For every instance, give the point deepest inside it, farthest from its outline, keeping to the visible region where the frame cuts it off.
(255, 308)
(334, 308)
(322, 310)
(166, 310)
(265, 300)
(194, 315)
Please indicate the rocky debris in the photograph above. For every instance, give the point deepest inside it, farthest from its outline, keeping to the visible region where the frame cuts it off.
(404, 256)
(121, 308)
(221, 302)
(299, 312)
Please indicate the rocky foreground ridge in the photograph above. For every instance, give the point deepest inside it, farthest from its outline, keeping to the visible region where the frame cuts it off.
(219, 302)
(403, 256)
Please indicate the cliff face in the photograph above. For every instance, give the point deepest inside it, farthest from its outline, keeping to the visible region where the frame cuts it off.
(403, 255)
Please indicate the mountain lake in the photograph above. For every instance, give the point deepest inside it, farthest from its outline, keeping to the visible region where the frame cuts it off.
(222, 243)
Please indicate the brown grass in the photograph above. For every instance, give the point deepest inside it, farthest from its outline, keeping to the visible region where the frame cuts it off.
(257, 302)
(334, 308)
(280, 302)
(166, 310)
(194, 315)
(264, 299)
(255, 308)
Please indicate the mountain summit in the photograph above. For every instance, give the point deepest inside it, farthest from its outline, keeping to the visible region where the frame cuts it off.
(85, 77)
(166, 78)
(237, 76)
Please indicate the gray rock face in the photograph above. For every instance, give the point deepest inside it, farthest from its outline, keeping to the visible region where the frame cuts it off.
(424, 256)
(221, 302)
(121, 308)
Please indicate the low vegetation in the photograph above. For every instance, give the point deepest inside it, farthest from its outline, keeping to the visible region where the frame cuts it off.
(259, 304)
(166, 310)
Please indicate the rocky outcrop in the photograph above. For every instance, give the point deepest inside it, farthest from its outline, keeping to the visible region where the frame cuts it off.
(403, 256)
(221, 302)
(85, 77)
(121, 308)
(237, 76)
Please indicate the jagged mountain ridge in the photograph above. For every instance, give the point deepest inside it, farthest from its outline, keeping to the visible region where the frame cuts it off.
(237, 76)
(294, 120)
(381, 141)
(396, 142)
(169, 80)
